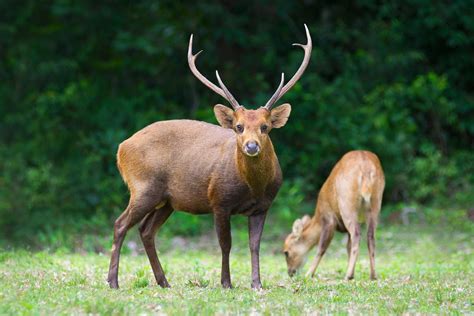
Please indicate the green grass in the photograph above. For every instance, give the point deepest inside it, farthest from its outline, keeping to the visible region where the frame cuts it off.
(420, 270)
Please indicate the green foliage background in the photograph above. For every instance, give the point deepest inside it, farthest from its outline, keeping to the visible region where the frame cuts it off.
(79, 77)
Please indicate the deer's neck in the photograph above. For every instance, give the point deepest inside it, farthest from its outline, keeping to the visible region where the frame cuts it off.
(257, 172)
(312, 232)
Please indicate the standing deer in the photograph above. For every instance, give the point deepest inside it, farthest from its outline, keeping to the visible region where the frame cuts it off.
(202, 168)
(354, 188)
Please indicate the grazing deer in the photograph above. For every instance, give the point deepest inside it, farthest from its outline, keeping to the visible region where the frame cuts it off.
(202, 168)
(354, 188)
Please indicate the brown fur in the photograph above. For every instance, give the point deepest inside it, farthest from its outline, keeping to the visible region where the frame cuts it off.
(200, 168)
(354, 188)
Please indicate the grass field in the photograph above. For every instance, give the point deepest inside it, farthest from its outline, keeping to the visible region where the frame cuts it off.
(421, 270)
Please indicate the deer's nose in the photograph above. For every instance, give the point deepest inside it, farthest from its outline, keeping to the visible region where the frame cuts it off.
(252, 148)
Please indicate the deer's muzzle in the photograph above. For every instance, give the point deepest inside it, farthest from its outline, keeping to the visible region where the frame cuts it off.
(251, 148)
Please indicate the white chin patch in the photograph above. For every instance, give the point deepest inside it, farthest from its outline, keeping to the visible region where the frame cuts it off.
(251, 155)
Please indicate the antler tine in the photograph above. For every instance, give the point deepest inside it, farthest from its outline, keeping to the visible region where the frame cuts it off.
(229, 95)
(307, 55)
(192, 65)
(276, 95)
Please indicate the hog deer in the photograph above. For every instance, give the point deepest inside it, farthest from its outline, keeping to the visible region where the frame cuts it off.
(354, 189)
(202, 168)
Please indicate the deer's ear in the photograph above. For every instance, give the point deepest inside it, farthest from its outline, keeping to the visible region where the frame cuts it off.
(297, 228)
(305, 220)
(224, 115)
(279, 115)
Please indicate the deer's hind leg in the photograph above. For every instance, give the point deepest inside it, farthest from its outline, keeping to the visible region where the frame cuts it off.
(222, 224)
(141, 203)
(348, 245)
(148, 228)
(350, 219)
(372, 217)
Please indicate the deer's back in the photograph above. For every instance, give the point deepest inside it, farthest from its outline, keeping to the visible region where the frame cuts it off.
(355, 181)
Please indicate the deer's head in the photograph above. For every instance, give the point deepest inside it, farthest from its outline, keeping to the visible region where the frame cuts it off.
(252, 126)
(296, 247)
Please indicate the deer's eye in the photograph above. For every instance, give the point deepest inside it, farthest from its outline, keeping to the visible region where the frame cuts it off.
(239, 128)
(286, 254)
(264, 128)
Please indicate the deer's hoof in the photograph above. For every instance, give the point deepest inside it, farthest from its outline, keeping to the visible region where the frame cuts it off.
(257, 285)
(309, 275)
(113, 284)
(164, 284)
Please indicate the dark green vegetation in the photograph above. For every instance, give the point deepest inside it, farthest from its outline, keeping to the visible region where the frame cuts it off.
(426, 272)
(78, 77)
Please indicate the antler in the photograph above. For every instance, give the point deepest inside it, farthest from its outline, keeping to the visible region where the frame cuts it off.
(307, 54)
(276, 95)
(229, 96)
(224, 92)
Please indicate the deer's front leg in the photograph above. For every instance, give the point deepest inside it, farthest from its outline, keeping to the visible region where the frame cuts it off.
(255, 234)
(222, 223)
